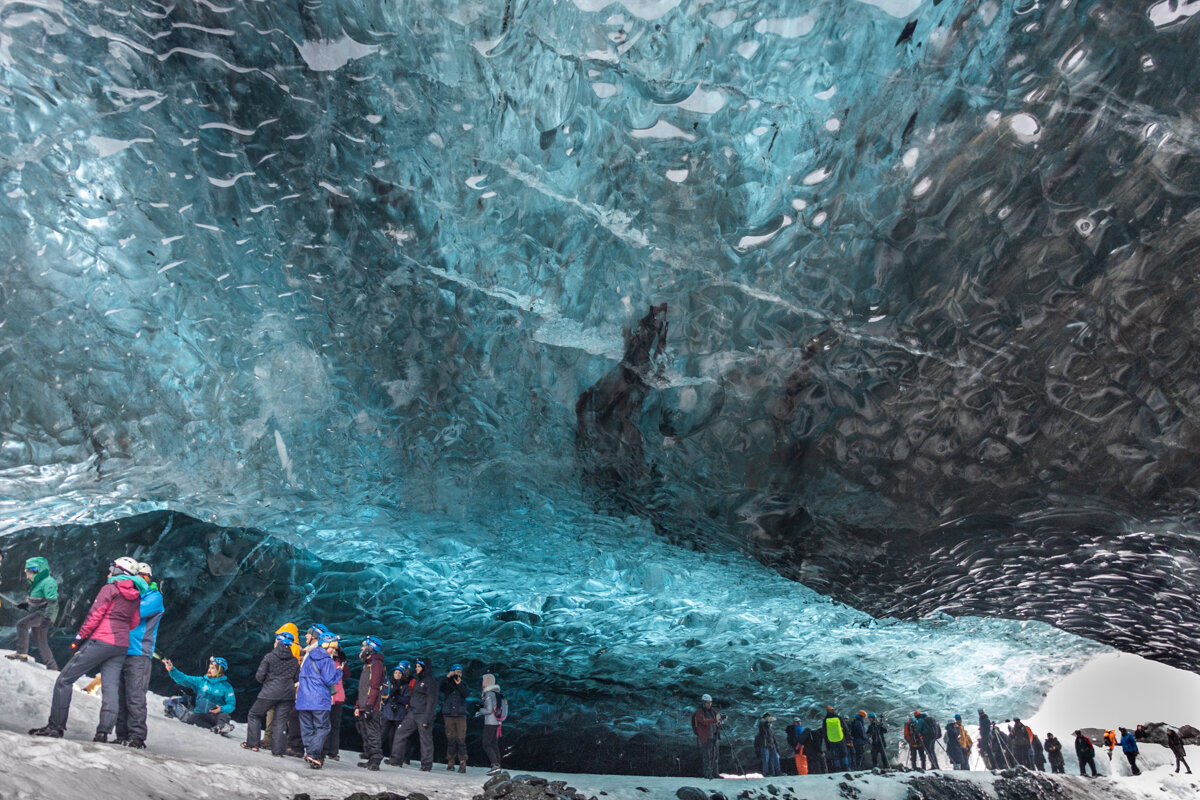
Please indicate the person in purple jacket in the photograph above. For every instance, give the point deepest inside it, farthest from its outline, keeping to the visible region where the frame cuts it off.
(100, 645)
(319, 675)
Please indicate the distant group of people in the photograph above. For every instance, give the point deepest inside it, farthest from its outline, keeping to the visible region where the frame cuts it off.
(299, 707)
(837, 745)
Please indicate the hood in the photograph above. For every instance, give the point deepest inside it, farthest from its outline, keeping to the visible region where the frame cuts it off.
(282, 651)
(495, 687)
(289, 627)
(127, 587)
(218, 679)
(41, 565)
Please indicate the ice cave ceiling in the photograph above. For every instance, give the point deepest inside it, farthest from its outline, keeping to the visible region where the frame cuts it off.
(898, 297)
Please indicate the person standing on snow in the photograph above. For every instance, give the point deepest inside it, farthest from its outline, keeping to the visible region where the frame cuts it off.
(1085, 752)
(1020, 742)
(1129, 747)
(135, 672)
(101, 645)
(494, 712)
(277, 672)
(1175, 742)
(368, 706)
(706, 724)
(454, 717)
(214, 696)
(1039, 756)
(319, 676)
(42, 603)
(953, 744)
(395, 708)
(422, 711)
(768, 747)
(876, 731)
(333, 742)
(858, 736)
(931, 732)
(915, 740)
(1110, 741)
(1053, 748)
(835, 740)
(985, 740)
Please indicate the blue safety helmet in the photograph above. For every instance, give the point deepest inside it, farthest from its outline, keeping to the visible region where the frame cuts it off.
(327, 637)
(403, 666)
(285, 637)
(318, 630)
(220, 662)
(455, 667)
(374, 643)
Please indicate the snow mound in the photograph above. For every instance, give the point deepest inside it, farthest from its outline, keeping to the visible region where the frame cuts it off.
(183, 761)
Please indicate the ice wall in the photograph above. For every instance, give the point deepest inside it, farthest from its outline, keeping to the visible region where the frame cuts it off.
(852, 287)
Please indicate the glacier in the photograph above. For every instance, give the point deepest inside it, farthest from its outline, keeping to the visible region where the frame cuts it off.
(635, 323)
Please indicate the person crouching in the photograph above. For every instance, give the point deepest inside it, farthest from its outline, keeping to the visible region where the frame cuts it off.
(214, 697)
(319, 676)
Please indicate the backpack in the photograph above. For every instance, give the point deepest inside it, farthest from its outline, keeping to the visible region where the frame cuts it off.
(501, 712)
(833, 730)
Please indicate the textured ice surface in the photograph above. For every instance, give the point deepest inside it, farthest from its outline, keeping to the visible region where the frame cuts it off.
(367, 276)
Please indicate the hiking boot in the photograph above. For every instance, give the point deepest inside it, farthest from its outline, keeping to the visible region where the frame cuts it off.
(100, 737)
(391, 762)
(372, 768)
(17, 657)
(494, 771)
(313, 763)
(462, 768)
(53, 733)
(294, 753)
(136, 744)
(450, 767)
(334, 756)
(427, 769)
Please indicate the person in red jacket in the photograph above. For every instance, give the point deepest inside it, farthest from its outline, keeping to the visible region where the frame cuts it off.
(706, 724)
(101, 645)
(367, 709)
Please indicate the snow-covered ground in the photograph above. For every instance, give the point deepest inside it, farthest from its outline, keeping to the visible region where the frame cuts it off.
(184, 761)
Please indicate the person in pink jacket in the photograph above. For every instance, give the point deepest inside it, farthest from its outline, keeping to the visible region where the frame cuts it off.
(100, 645)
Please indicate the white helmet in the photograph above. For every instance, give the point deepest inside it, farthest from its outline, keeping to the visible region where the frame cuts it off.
(144, 569)
(126, 565)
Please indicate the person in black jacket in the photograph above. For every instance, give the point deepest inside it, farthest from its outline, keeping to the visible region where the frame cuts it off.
(454, 717)
(422, 711)
(1175, 742)
(985, 740)
(768, 747)
(395, 708)
(875, 734)
(277, 672)
(1053, 748)
(1085, 752)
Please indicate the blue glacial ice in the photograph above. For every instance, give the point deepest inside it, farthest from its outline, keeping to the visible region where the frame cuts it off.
(894, 299)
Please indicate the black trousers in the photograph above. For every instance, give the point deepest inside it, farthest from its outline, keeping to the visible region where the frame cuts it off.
(368, 725)
(491, 744)
(404, 732)
(258, 713)
(333, 742)
(131, 698)
(878, 756)
(1133, 767)
(1090, 761)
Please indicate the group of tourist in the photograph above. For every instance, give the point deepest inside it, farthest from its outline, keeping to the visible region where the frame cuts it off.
(299, 706)
(835, 744)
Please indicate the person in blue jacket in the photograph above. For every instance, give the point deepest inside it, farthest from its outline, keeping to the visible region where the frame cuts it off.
(319, 675)
(858, 736)
(214, 697)
(1130, 748)
(135, 673)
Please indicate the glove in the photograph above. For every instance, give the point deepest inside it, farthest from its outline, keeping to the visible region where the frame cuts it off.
(23, 605)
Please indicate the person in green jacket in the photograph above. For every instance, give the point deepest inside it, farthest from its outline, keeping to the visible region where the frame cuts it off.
(42, 605)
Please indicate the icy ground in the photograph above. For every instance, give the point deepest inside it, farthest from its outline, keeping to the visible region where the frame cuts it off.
(183, 761)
